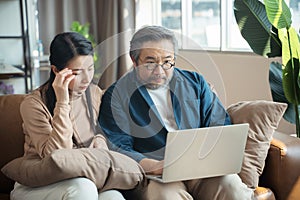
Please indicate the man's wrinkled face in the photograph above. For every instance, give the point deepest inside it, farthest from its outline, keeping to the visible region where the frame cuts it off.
(155, 65)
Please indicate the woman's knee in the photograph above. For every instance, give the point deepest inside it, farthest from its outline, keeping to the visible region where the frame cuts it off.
(75, 189)
(111, 195)
(81, 188)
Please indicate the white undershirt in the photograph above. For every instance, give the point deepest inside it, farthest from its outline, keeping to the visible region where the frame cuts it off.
(162, 100)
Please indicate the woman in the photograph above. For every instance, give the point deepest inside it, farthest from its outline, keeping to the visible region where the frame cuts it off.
(62, 113)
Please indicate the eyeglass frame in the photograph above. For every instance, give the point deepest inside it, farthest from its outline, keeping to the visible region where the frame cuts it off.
(155, 65)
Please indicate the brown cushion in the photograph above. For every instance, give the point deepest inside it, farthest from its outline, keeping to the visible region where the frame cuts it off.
(263, 118)
(107, 169)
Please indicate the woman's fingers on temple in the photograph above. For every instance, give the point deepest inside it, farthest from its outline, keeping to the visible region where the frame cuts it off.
(67, 80)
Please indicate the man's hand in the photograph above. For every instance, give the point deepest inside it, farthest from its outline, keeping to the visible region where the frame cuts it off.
(152, 166)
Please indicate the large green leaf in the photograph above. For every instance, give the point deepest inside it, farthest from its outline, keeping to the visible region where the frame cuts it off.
(256, 29)
(289, 81)
(278, 13)
(275, 80)
(290, 62)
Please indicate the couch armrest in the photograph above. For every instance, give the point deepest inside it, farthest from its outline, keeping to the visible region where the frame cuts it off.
(282, 167)
(11, 135)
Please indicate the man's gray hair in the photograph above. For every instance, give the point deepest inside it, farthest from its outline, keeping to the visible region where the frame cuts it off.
(150, 33)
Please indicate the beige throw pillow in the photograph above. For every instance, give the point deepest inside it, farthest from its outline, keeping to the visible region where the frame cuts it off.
(263, 118)
(107, 169)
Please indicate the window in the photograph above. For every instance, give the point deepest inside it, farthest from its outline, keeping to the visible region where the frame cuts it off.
(201, 24)
(295, 9)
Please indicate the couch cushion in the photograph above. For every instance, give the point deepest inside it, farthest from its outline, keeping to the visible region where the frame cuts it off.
(11, 135)
(107, 169)
(263, 118)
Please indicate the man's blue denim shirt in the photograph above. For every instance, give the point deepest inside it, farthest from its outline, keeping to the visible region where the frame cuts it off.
(131, 122)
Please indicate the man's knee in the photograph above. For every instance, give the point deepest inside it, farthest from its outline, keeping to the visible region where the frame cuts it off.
(231, 182)
(233, 186)
(221, 188)
(166, 191)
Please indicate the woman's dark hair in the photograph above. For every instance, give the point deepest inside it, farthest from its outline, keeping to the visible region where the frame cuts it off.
(64, 47)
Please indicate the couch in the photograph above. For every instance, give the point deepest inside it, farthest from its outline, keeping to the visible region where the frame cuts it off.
(278, 180)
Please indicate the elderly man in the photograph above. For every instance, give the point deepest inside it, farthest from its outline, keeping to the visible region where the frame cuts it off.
(155, 97)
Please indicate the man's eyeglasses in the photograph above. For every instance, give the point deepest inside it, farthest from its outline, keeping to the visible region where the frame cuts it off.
(152, 66)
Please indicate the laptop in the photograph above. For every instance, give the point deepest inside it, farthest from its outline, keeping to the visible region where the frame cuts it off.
(203, 152)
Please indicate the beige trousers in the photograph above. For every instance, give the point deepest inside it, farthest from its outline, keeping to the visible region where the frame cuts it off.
(229, 187)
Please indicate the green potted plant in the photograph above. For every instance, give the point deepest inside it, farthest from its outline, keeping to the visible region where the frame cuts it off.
(267, 29)
(83, 29)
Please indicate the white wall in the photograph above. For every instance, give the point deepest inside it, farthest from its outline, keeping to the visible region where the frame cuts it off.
(236, 77)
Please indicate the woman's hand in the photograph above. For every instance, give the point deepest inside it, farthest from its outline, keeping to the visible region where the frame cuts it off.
(61, 84)
(99, 142)
(152, 166)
